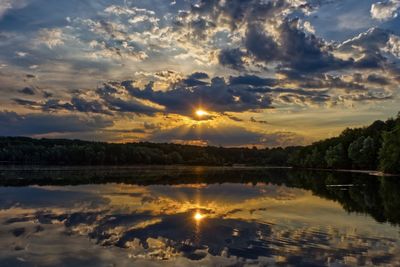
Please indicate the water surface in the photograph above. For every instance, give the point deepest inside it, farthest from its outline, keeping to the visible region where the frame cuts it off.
(196, 216)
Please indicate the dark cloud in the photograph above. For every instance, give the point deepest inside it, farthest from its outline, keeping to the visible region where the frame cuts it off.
(109, 93)
(75, 104)
(193, 82)
(261, 46)
(252, 119)
(381, 80)
(83, 105)
(370, 41)
(132, 105)
(370, 61)
(297, 51)
(27, 91)
(151, 126)
(306, 53)
(217, 96)
(293, 98)
(199, 27)
(289, 45)
(367, 46)
(14, 124)
(198, 76)
(325, 81)
(369, 96)
(24, 102)
(252, 80)
(47, 94)
(127, 131)
(234, 118)
(54, 105)
(232, 58)
(238, 94)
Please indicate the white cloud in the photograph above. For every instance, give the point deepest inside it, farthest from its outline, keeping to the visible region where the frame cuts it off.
(50, 37)
(385, 10)
(6, 5)
(21, 54)
(393, 45)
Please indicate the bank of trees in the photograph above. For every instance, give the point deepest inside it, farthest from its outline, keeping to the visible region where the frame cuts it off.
(376, 147)
(21, 150)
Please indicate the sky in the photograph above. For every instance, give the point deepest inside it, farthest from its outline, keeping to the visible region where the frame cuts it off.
(206, 72)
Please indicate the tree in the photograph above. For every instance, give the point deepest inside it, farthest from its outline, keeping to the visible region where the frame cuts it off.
(389, 155)
(335, 156)
(363, 153)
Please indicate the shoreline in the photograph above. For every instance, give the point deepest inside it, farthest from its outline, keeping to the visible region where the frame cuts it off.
(369, 172)
(33, 167)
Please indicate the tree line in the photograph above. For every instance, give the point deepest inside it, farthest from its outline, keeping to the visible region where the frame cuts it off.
(23, 150)
(376, 147)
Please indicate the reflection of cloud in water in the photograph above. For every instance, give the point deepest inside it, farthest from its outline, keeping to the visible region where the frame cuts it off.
(154, 225)
(36, 197)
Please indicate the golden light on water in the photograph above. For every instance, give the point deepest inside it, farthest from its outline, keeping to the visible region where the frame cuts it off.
(198, 216)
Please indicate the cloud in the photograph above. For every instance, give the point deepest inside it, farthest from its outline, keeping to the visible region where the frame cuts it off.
(83, 105)
(232, 57)
(27, 91)
(21, 54)
(371, 41)
(198, 76)
(283, 44)
(374, 78)
(50, 37)
(251, 80)
(217, 97)
(252, 119)
(14, 124)
(6, 5)
(385, 10)
(260, 45)
(116, 98)
(244, 93)
(296, 50)
(393, 45)
(367, 47)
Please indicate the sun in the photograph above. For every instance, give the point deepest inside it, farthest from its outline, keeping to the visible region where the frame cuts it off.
(198, 216)
(201, 113)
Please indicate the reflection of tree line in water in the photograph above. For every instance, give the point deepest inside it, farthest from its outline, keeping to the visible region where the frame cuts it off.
(376, 196)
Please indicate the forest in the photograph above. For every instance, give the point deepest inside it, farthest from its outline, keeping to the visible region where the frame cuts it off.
(375, 147)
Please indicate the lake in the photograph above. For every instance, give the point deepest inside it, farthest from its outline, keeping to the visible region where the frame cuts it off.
(196, 216)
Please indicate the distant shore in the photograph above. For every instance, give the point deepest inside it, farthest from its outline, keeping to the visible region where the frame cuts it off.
(27, 167)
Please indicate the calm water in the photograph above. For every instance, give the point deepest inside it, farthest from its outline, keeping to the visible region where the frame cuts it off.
(197, 217)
